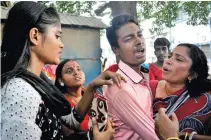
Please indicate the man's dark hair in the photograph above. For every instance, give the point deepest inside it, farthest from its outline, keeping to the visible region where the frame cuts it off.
(116, 23)
(162, 42)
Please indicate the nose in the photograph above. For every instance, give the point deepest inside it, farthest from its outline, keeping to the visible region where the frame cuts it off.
(76, 72)
(61, 45)
(168, 61)
(140, 41)
(161, 52)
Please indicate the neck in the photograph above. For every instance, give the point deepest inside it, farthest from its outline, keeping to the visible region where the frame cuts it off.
(136, 68)
(159, 64)
(35, 66)
(75, 91)
(172, 88)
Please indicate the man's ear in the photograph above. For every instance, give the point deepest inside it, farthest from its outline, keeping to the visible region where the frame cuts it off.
(34, 36)
(115, 50)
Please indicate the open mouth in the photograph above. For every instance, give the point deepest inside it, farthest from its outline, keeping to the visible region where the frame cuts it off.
(140, 53)
(165, 69)
(77, 78)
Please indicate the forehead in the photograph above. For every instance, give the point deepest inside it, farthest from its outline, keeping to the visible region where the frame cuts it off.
(160, 46)
(54, 28)
(71, 64)
(183, 51)
(130, 28)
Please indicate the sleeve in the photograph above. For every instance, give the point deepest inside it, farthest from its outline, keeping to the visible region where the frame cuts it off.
(72, 120)
(134, 116)
(19, 107)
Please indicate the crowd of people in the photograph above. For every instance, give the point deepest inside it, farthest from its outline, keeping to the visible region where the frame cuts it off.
(170, 101)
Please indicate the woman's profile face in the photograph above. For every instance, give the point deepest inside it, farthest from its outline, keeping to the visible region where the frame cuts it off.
(50, 46)
(72, 74)
(177, 67)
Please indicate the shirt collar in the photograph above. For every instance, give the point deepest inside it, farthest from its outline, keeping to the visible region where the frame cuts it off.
(129, 72)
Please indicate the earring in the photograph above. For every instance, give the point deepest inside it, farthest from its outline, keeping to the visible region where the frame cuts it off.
(62, 84)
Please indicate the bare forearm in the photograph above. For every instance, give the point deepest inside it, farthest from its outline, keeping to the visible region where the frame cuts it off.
(85, 103)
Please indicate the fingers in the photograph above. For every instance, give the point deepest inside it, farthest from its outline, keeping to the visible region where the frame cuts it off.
(109, 125)
(117, 78)
(162, 111)
(95, 125)
(107, 78)
(174, 117)
(156, 116)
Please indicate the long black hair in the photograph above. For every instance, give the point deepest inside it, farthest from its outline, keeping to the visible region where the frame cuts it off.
(22, 17)
(200, 84)
(59, 75)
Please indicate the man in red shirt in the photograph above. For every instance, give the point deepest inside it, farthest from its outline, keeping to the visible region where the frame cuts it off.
(161, 46)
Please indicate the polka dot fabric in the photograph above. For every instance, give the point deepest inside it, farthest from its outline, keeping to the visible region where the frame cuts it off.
(25, 116)
(19, 108)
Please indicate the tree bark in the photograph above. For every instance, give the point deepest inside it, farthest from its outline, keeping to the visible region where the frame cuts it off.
(123, 7)
(119, 7)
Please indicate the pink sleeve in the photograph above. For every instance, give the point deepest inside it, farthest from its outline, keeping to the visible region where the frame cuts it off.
(134, 116)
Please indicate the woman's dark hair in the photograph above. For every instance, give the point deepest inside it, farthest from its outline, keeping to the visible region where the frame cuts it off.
(59, 75)
(201, 83)
(22, 17)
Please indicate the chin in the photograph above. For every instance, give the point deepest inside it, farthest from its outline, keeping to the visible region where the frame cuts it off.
(165, 77)
(161, 60)
(56, 62)
(142, 60)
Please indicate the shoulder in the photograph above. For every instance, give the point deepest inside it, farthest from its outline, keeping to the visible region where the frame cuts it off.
(19, 88)
(17, 94)
(113, 90)
(151, 65)
(112, 68)
(19, 107)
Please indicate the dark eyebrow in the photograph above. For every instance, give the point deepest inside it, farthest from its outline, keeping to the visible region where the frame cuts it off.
(139, 32)
(180, 55)
(131, 35)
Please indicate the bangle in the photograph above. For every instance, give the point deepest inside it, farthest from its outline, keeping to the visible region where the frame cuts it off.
(173, 138)
(191, 135)
(186, 135)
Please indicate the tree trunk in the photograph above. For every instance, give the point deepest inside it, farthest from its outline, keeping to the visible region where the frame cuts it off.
(123, 7)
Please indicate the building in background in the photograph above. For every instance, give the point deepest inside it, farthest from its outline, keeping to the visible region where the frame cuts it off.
(181, 33)
(81, 39)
